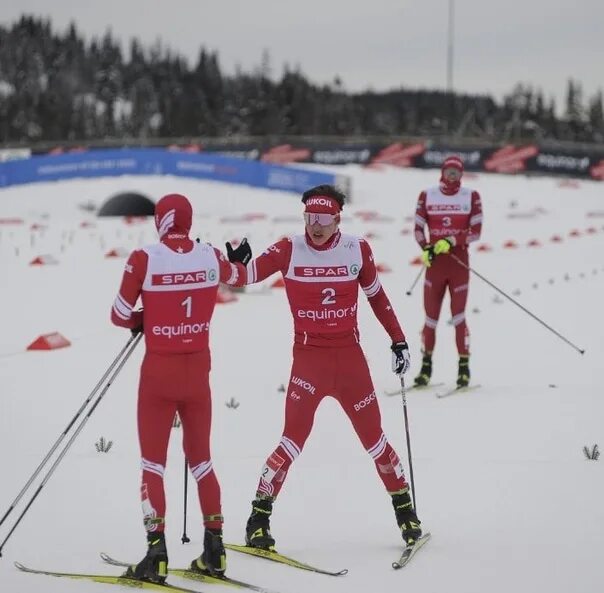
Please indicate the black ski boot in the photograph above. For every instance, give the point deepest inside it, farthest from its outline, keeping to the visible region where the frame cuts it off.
(258, 529)
(406, 518)
(154, 566)
(463, 374)
(426, 371)
(213, 559)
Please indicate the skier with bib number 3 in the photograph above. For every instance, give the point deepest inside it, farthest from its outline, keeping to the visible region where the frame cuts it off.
(453, 215)
(322, 270)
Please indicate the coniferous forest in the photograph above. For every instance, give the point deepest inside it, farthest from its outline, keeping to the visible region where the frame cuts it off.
(63, 87)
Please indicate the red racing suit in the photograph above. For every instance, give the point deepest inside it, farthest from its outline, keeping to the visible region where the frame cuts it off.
(178, 282)
(322, 285)
(457, 217)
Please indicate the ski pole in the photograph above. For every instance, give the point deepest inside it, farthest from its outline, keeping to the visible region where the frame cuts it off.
(64, 433)
(415, 281)
(411, 480)
(133, 343)
(184, 539)
(507, 296)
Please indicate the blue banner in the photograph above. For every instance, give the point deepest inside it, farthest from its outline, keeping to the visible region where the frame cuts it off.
(158, 161)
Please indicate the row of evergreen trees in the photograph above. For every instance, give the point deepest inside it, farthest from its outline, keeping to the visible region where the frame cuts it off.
(60, 88)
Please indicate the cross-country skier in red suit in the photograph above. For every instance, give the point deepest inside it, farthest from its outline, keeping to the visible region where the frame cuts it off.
(453, 215)
(323, 270)
(177, 280)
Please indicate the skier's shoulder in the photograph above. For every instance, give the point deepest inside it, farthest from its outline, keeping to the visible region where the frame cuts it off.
(281, 247)
(138, 256)
(205, 247)
(348, 241)
(160, 249)
(475, 194)
(286, 240)
(152, 249)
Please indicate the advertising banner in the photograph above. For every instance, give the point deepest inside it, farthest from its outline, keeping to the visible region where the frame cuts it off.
(505, 159)
(157, 161)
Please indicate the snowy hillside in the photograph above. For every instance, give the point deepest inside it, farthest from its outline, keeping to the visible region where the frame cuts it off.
(501, 479)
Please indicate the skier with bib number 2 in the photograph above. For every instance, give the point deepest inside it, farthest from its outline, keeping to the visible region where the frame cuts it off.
(323, 270)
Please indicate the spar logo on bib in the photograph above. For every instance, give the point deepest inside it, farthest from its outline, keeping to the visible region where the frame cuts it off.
(184, 278)
(321, 271)
(179, 278)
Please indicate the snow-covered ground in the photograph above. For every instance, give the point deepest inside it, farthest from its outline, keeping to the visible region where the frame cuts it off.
(501, 478)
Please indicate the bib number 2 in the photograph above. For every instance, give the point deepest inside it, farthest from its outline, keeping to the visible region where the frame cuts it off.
(329, 296)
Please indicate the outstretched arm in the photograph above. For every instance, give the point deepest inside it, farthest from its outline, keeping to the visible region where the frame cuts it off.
(233, 274)
(275, 259)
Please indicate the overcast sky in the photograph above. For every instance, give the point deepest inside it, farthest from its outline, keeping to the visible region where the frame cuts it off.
(379, 44)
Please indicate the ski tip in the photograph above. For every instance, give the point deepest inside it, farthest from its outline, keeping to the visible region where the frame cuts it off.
(454, 390)
(410, 549)
(19, 566)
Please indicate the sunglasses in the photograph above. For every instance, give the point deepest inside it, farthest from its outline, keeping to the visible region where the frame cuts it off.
(452, 171)
(322, 218)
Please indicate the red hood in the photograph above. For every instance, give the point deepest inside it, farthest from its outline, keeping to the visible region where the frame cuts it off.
(447, 187)
(174, 215)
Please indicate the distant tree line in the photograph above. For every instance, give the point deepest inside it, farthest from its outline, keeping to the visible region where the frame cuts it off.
(61, 88)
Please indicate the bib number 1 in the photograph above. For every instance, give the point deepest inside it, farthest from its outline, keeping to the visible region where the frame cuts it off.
(188, 304)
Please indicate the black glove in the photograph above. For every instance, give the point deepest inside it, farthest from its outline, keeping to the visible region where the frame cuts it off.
(138, 328)
(242, 254)
(401, 359)
(427, 255)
